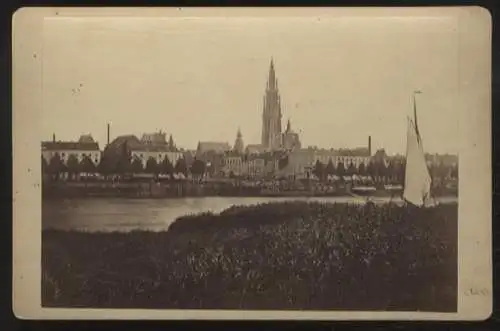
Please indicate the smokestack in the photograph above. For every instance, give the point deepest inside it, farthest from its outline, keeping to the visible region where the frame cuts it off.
(54, 137)
(108, 134)
(370, 145)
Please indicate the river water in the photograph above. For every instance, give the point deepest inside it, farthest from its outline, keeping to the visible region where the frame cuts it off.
(105, 215)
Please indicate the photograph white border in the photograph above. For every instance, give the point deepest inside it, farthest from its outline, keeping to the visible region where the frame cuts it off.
(475, 191)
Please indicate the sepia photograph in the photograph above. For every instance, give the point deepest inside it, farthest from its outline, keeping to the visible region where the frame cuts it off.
(257, 160)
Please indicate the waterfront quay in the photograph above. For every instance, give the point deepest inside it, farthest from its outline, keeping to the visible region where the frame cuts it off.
(144, 188)
(156, 187)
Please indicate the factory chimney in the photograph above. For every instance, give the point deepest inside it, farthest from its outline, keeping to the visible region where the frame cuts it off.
(108, 134)
(54, 137)
(370, 145)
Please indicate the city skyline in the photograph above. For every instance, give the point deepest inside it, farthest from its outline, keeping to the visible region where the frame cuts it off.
(224, 87)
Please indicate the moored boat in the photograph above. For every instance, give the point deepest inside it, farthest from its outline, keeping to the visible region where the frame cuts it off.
(417, 184)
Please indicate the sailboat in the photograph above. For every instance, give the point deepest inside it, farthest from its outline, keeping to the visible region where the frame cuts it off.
(417, 184)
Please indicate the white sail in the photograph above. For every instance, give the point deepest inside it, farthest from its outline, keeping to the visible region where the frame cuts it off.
(417, 178)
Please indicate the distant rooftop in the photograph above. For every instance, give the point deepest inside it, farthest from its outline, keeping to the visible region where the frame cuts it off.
(130, 139)
(358, 151)
(85, 143)
(69, 145)
(134, 144)
(212, 146)
(255, 149)
(86, 138)
(157, 138)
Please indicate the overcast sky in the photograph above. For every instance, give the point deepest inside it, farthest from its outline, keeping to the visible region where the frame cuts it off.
(200, 79)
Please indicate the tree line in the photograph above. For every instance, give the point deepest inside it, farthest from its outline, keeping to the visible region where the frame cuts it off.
(109, 165)
(380, 171)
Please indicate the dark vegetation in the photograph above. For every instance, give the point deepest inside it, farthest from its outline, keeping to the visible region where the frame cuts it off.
(292, 255)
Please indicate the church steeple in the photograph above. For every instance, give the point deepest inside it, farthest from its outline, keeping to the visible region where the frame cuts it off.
(271, 115)
(238, 144)
(271, 81)
(288, 126)
(291, 140)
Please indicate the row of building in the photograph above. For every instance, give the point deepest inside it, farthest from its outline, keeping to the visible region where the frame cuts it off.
(222, 159)
(280, 152)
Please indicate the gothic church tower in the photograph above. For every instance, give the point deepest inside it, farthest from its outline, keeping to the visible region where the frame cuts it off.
(238, 144)
(271, 115)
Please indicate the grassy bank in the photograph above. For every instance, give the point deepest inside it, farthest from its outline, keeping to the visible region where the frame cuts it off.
(292, 255)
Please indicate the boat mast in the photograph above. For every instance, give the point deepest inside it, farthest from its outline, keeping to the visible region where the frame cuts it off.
(415, 92)
(415, 114)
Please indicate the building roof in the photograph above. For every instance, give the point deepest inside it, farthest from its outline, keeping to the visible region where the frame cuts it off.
(360, 151)
(116, 146)
(207, 146)
(154, 138)
(130, 140)
(249, 157)
(69, 145)
(233, 153)
(355, 152)
(255, 148)
(264, 157)
(151, 148)
(86, 138)
(134, 144)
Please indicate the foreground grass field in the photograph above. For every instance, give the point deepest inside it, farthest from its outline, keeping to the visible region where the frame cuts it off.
(292, 255)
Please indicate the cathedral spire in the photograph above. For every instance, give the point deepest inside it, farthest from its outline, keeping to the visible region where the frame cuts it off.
(271, 82)
(271, 115)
